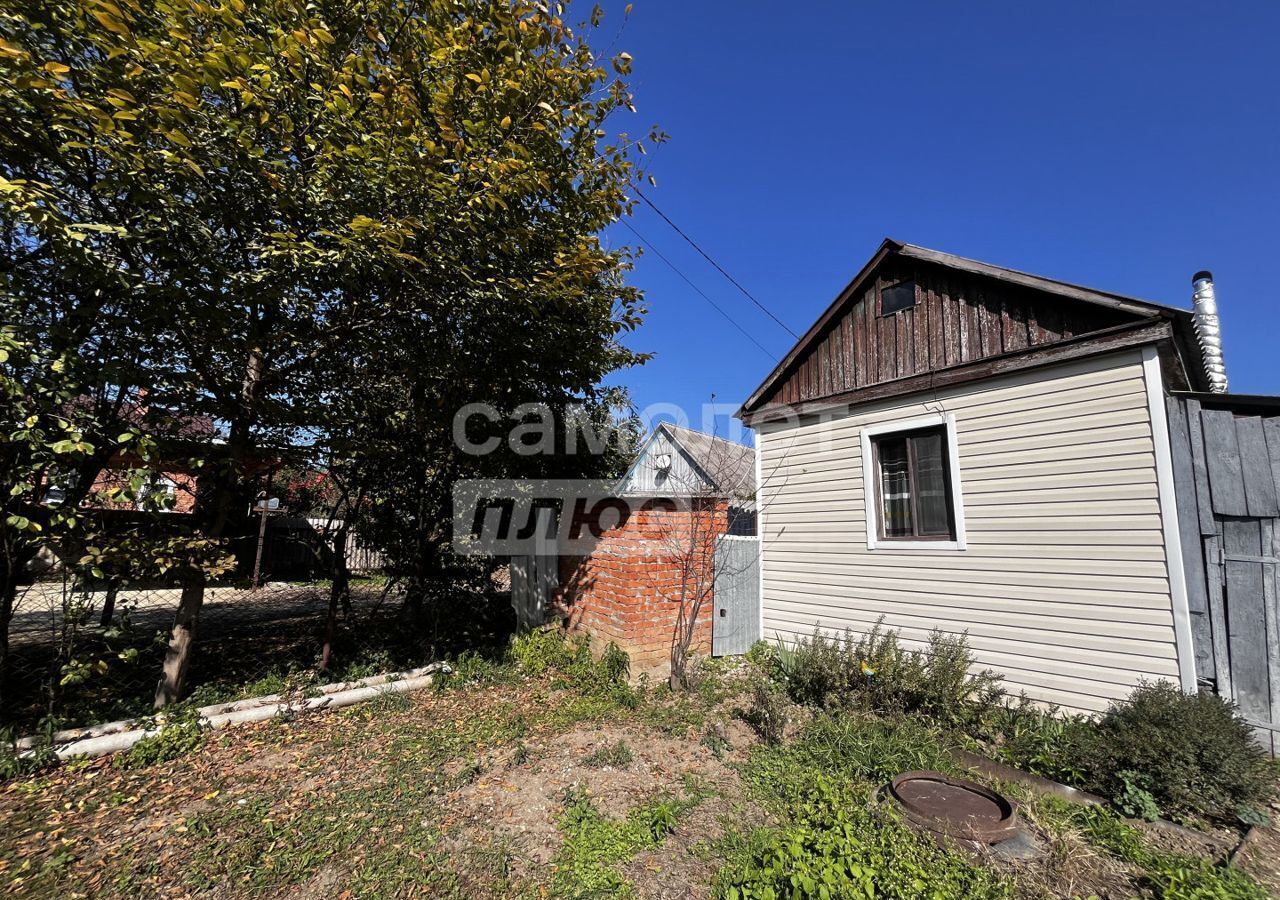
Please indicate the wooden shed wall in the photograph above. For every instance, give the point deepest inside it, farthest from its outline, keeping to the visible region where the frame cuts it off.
(1227, 466)
(1064, 587)
(958, 318)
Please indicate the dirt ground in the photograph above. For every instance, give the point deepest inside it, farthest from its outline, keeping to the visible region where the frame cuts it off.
(38, 611)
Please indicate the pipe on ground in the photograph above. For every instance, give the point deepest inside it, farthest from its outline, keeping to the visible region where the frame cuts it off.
(116, 736)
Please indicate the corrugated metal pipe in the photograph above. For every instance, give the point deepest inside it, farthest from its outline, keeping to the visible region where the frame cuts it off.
(1209, 330)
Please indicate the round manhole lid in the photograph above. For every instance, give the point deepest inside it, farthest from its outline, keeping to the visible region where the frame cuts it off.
(955, 807)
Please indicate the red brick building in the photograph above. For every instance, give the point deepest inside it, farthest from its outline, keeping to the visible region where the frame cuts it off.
(649, 582)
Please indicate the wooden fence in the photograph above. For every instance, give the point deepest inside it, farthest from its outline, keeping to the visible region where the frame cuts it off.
(1226, 460)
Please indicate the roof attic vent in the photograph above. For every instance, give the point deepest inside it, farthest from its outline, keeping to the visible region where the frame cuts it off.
(1209, 330)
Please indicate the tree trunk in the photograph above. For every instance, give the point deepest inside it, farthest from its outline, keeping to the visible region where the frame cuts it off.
(338, 592)
(177, 657)
(182, 639)
(109, 603)
(8, 594)
(15, 556)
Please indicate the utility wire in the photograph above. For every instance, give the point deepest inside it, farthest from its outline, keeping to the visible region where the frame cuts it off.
(719, 268)
(701, 293)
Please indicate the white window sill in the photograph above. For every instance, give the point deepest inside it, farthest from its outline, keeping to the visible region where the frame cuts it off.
(890, 546)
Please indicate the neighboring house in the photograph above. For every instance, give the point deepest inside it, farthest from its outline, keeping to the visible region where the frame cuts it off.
(675, 461)
(176, 487)
(171, 478)
(631, 588)
(960, 446)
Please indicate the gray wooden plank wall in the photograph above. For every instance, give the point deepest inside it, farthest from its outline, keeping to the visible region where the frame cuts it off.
(1227, 481)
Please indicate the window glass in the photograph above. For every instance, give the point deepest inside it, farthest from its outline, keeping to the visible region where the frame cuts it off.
(928, 451)
(914, 485)
(897, 297)
(895, 487)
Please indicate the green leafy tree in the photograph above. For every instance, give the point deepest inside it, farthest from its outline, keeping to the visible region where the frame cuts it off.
(56, 434)
(278, 198)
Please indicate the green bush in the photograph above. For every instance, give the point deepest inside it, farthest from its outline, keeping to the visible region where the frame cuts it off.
(874, 671)
(1193, 753)
(837, 847)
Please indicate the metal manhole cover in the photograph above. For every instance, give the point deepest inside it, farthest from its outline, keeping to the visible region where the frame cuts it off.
(954, 807)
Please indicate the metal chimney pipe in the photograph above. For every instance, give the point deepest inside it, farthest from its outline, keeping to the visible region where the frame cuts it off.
(1209, 330)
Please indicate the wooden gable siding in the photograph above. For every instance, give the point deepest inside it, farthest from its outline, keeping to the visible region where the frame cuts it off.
(957, 319)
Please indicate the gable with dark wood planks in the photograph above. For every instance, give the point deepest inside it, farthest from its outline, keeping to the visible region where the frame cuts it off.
(957, 318)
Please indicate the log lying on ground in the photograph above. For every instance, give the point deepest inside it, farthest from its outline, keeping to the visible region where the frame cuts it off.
(115, 736)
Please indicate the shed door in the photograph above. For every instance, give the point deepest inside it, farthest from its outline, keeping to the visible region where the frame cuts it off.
(736, 606)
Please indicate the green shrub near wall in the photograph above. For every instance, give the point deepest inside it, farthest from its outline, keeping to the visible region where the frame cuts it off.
(1161, 751)
(874, 671)
(1192, 753)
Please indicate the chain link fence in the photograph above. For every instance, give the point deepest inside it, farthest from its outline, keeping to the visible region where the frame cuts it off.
(71, 665)
(85, 651)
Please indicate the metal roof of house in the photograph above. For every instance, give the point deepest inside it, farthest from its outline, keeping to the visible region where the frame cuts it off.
(724, 466)
(729, 465)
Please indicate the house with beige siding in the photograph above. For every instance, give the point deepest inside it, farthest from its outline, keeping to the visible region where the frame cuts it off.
(961, 446)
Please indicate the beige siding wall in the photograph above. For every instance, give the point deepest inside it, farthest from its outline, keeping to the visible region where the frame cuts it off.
(1063, 586)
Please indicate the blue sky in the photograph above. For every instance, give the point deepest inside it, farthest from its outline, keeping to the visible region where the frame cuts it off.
(1122, 146)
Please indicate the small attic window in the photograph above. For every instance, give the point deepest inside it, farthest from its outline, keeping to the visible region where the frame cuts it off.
(897, 297)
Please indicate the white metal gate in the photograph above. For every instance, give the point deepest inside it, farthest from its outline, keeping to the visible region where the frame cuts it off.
(736, 624)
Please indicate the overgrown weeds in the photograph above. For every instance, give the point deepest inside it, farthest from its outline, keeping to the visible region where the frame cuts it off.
(1160, 752)
(595, 844)
(1042, 740)
(611, 756)
(852, 747)
(1169, 876)
(836, 846)
(768, 713)
(16, 763)
(568, 657)
(181, 734)
(873, 671)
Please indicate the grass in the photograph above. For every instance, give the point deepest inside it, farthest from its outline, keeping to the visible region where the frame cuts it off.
(404, 796)
(595, 844)
(616, 756)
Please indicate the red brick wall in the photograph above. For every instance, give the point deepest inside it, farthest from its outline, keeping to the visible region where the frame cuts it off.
(629, 590)
(184, 490)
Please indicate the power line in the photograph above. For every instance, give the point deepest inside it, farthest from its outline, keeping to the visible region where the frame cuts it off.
(719, 268)
(701, 293)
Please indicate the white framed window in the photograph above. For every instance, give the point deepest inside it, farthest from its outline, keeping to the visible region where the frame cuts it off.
(911, 484)
(161, 492)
